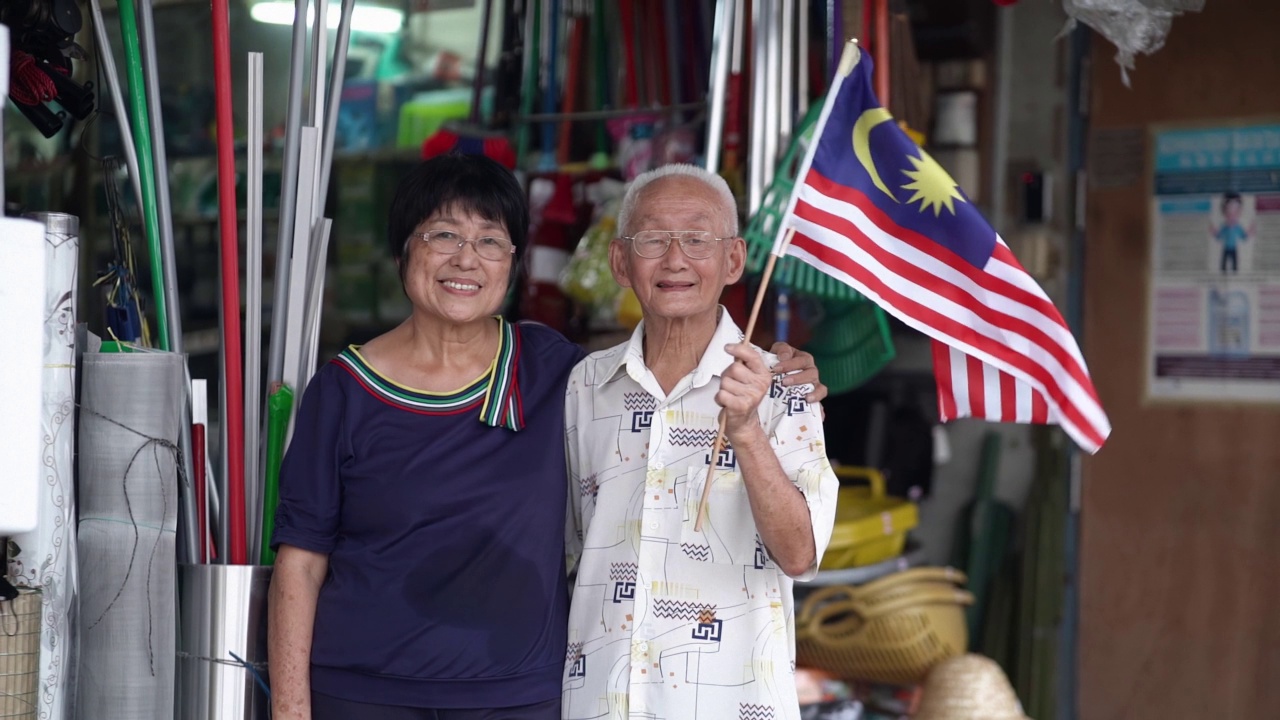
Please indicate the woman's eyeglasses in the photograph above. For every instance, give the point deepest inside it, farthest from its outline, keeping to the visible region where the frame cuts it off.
(450, 243)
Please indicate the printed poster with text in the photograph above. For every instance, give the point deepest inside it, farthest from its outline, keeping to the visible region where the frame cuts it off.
(1214, 331)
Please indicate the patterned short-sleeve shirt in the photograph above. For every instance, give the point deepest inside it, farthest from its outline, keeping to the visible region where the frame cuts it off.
(667, 622)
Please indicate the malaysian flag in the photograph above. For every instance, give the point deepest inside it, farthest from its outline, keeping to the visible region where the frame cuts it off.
(875, 211)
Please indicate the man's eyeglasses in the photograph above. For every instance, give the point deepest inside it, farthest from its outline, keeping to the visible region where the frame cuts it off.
(450, 243)
(696, 244)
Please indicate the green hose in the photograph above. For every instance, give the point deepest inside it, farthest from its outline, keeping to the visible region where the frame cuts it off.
(146, 166)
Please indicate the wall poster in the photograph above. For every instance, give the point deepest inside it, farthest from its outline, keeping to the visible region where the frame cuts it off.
(1214, 305)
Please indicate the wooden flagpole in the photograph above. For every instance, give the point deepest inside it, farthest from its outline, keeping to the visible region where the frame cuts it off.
(751, 326)
(848, 60)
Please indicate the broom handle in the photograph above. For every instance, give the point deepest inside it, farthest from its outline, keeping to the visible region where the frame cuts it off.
(751, 326)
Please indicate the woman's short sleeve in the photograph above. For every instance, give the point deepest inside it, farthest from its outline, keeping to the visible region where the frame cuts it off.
(310, 487)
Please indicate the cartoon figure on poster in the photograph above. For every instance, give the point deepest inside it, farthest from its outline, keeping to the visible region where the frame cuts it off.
(1231, 234)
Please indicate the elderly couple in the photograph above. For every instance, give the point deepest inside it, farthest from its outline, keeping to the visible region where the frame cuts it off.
(433, 472)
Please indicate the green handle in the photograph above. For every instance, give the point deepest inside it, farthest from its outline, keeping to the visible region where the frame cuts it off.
(529, 85)
(279, 406)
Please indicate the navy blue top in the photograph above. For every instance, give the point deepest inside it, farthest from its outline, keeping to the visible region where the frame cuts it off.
(445, 535)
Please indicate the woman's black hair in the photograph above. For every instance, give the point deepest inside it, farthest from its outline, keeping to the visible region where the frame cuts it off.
(467, 183)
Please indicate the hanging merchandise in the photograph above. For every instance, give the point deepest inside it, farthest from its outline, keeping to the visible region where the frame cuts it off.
(1135, 27)
(587, 278)
(132, 406)
(551, 241)
(126, 320)
(472, 137)
(633, 135)
(43, 46)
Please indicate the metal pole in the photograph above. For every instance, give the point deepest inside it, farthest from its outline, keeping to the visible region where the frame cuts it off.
(1000, 151)
(168, 261)
(319, 61)
(117, 96)
(802, 66)
(146, 168)
(4, 82)
(253, 315)
(721, 50)
(335, 92)
(315, 303)
(308, 170)
(755, 172)
(288, 194)
(773, 53)
(786, 91)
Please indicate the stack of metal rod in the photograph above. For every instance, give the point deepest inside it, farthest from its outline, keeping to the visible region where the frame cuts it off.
(779, 84)
(225, 504)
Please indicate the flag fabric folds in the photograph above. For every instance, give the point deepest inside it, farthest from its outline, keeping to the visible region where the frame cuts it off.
(875, 211)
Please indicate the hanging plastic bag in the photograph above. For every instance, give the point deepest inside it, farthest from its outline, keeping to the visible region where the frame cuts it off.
(587, 279)
(1134, 26)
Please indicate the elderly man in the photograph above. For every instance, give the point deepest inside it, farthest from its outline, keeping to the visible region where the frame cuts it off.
(667, 621)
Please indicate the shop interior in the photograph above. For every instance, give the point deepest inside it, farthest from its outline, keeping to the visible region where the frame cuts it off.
(210, 193)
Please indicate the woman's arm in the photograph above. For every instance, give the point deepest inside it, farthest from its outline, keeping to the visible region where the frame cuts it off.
(291, 614)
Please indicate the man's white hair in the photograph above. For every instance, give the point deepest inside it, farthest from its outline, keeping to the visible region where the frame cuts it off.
(728, 205)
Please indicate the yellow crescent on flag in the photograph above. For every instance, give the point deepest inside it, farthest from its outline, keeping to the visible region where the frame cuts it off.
(862, 144)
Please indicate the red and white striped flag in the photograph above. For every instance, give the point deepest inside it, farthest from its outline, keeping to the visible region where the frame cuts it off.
(875, 211)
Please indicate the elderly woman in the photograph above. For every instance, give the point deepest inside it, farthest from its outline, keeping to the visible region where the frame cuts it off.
(422, 506)
(670, 618)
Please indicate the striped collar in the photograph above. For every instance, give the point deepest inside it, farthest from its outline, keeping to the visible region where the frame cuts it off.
(496, 394)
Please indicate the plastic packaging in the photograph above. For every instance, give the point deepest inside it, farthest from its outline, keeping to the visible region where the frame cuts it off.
(1133, 26)
(586, 278)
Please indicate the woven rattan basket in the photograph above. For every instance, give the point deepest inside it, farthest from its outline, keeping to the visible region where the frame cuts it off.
(893, 634)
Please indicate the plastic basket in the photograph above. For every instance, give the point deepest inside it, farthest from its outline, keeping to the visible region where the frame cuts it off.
(19, 656)
(851, 344)
(869, 527)
(893, 641)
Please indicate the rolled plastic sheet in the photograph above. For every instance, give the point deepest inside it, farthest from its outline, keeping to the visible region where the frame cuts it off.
(222, 642)
(46, 557)
(22, 296)
(131, 408)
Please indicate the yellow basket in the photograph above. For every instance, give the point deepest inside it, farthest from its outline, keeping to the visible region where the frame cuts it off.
(869, 527)
(895, 639)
